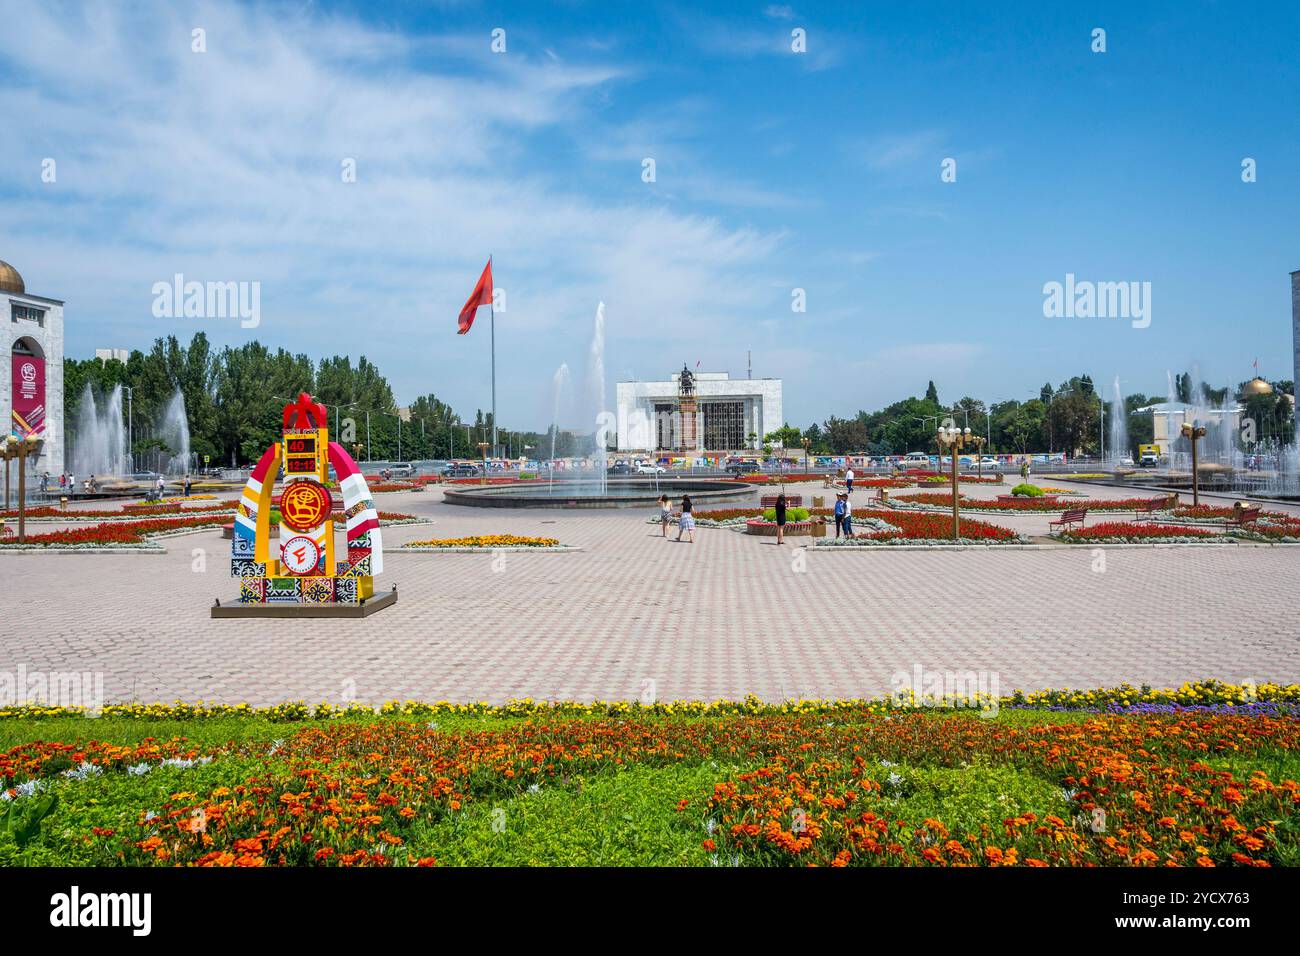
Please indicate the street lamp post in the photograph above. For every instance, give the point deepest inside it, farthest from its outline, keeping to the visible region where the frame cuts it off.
(807, 443)
(483, 446)
(1194, 433)
(20, 448)
(954, 439)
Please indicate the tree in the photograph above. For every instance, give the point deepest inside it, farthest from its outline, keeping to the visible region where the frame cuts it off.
(845, 436)
(1073, 418)
(932, 393)
(1021, 426)
(787, 436)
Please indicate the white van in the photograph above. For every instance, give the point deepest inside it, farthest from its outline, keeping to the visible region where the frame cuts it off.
(915, 460)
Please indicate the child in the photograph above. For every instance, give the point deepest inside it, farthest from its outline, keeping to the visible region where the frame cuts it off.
(665, 513)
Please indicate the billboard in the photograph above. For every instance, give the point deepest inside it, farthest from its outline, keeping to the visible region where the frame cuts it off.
(28, 396)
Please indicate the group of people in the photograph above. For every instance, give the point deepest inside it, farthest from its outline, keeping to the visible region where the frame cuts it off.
(68, 483)
(685, 518)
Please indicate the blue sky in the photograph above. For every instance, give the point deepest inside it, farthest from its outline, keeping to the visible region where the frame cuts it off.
(774, 171)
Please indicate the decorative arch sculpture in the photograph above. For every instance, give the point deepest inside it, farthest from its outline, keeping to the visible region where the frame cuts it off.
(298, 566)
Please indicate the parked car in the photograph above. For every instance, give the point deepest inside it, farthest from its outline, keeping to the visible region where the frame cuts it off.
(987, 462)
(401, 469)
(619, 468)
(648, 468)
(460, 471)
(915, 460)
(743, 468)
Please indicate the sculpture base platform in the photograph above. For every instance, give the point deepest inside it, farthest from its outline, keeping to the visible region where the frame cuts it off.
(363, 609)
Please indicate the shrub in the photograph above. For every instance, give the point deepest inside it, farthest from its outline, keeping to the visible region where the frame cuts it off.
(791, 514)
(1027, 491)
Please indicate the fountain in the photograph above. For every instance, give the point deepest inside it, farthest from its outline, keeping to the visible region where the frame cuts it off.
(561, 380)
(601, 417)
(174, 431)
(593, 491)
(100, 445)
(1119, 447)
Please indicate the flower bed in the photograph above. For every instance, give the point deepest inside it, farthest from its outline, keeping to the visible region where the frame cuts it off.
(778, 478)
(488, 541)
(939, 478)
(129, 512)
(1122, 532)
(393, 486)
(137, 533)
(894, 527)
(1006, 503)
(158, 501)
(1275, 532)
(881, 783)
(112, 534)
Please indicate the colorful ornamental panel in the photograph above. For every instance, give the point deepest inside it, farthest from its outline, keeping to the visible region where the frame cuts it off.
(295, 564)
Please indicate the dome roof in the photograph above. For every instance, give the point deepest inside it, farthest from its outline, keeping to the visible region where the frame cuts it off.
(10, 280)
(1256, 386)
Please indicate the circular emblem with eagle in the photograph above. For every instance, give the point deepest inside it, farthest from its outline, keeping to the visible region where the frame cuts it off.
(304, 505)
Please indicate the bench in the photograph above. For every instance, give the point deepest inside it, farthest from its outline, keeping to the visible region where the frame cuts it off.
(1244, 517)
(1150, 506)
(791, 501)
(1072, 516)
(881, 497)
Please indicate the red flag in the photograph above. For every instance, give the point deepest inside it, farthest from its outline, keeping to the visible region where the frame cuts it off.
(482, 295)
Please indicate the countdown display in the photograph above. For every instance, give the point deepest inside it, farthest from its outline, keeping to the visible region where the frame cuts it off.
(300, 445)
(300, 466)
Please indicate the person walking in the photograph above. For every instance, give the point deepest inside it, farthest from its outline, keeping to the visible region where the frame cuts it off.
(780, 518)
(1024, 470)
(848, 517)
(45, 482)
(665, 515)
(687, 521)
(72, 482)
(848, 479)
(839, 513)
(162, 488)
(187, 486)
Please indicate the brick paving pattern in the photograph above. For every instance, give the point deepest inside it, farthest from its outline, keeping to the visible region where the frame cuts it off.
(635, 615)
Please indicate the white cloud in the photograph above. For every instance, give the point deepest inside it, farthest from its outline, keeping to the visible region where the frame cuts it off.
(226, 165)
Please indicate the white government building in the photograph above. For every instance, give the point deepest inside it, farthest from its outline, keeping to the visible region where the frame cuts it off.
(31, 383)
(697, 411)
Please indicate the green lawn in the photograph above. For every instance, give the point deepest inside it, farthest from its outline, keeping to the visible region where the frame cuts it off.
(646, 789)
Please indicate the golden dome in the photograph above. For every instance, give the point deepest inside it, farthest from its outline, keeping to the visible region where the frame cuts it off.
(1256, 386)
(10, 280)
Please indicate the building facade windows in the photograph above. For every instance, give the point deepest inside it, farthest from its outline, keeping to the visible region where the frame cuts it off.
(666, 425)
(27, 313)
(724, 425)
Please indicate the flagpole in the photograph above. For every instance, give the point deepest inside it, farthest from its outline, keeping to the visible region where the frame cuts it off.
(493, 307)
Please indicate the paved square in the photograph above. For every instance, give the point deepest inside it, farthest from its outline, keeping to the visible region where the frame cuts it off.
(634, 614)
